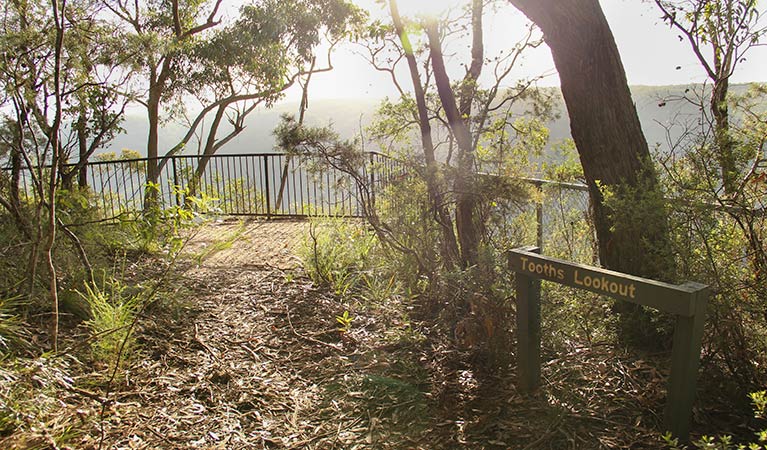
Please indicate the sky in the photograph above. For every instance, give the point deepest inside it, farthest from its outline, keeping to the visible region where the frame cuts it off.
(651, 51)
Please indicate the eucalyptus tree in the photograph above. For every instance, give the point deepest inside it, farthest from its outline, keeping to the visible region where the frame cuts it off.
(59, 97)
(717, 165)
(420, 116)
(720, 34)
(435, 223)
(92, 99)
(464, 116)
(254, 60)
(632, 225)
(184, 50)
(39, 68)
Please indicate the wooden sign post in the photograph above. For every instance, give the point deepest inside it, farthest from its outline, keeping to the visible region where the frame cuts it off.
(686, 301)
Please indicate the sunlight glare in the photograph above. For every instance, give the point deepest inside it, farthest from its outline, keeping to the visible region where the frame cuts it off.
(427, 8)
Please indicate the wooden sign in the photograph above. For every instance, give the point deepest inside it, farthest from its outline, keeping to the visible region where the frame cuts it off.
(687, 302)
(665, 297)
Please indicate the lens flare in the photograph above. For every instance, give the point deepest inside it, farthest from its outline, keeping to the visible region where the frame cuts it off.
(427, 8)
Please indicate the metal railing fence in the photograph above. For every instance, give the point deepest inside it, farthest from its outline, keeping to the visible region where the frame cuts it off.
(263, 184)
(279, 185)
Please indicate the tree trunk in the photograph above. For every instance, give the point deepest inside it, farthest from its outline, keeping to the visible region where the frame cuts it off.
(208, 152)
(450, 252)
(469, 86)
(612, 148)
(53, 137)
(464, 180)
(724, 142)
(303, 106)
(152, 172)
(15, 178)
(82, 173)
(13, 205)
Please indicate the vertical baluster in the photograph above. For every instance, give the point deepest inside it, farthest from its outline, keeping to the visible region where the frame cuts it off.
(268, 194)
(301, 187)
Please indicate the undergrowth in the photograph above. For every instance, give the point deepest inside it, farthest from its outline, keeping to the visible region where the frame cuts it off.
(112, 311)
(337, 253)
(109, 273)
(13, 333)
(725, 442)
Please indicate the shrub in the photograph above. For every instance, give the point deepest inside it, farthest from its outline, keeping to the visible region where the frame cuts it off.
(759, 402)
(12, 332)
(336, 253)
(112, 313)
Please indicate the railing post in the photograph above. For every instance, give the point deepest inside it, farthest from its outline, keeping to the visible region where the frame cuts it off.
(372, 181)
(268, 191)
(539, 216)
(528, 330)
(685, 359)
(175, 181)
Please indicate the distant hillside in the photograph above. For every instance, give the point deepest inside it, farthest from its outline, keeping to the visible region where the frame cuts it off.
(345, 115)
(348, 115)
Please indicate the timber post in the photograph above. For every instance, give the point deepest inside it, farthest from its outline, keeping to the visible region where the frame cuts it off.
(528, 330)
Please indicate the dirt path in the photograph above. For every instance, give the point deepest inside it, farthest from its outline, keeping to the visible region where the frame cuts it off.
(255, 359)
(241, 351)
(245, 354)
(249, 245)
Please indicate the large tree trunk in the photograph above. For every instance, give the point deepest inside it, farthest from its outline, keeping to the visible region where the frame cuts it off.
(612, 148)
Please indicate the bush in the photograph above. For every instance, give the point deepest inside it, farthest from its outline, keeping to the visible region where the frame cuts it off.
(12, 332)
(112, 314)
(336, 253)
(759, 402)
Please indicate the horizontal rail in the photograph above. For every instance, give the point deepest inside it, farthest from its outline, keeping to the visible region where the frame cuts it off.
(255, 184)
(122, 180)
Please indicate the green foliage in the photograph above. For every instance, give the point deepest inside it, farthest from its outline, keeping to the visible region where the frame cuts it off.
(634, 212)
(378, 288)
(759, 402)
(630, 210)
(345, 322)
(12, 332)
(405, 208)
(567, 167)
(266, 41)
(719, 238)
(165, 230)
(336, 253)
(112, 312)
(125, 154)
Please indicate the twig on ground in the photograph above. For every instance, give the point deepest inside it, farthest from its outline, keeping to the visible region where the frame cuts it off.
(307, 338)
(203, 344)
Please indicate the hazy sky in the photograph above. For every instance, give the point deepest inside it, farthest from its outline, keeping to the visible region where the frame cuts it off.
(652, 52)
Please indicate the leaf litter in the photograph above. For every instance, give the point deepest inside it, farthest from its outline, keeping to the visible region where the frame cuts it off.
(253, 359)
